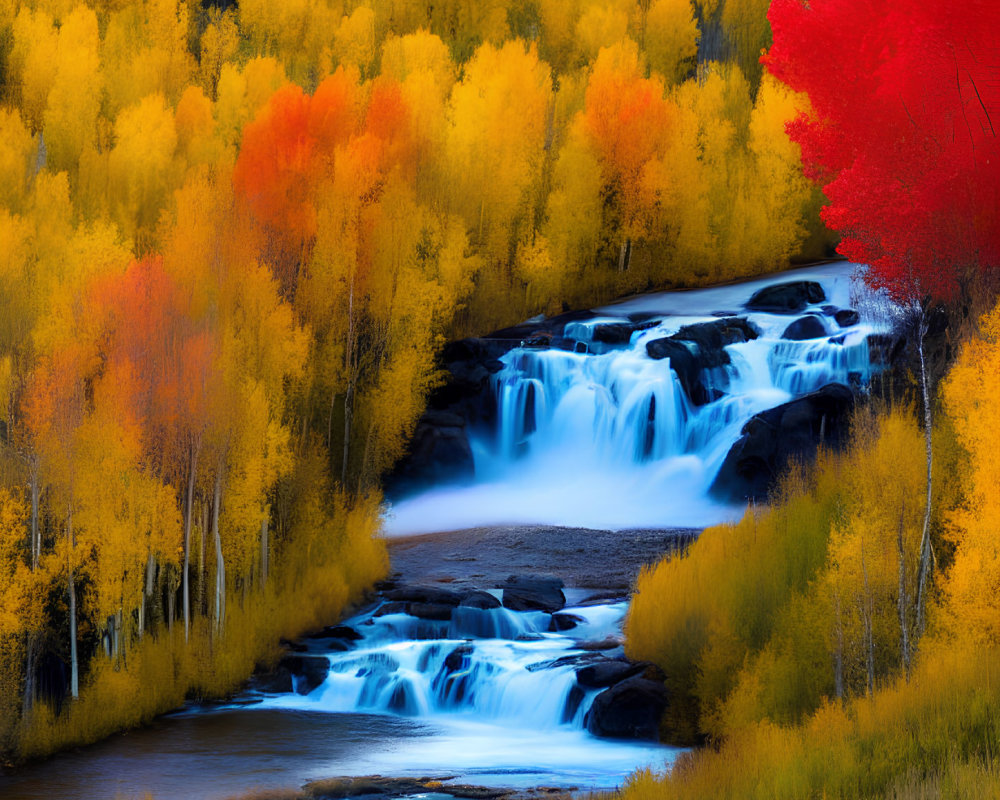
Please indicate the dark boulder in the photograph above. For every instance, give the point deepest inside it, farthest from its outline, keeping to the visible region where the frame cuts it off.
(573, 699)
(695, 348)
(786, 298)
(392, 607)
(424, 594)
(684, 363)
(847, 317)
(574, 660)
(534, 593)
(620, 333)
(343, 632)
(439, 451)
(564, 622)
(605, 673)
(481, 600)
(631, 709)
(437, 612)
(658, 349)
(711, 337)
(309, 672)
(272, 681)
(808, 327)
(457, 658)
(601, 645)
(769, 440)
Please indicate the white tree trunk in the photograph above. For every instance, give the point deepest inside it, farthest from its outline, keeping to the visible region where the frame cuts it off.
(926, 553)
(264, 554)
(220, 565)
(185, 582)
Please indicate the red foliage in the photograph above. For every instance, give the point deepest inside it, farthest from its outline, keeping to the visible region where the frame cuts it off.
(299, 147)
(273, 170)
(159, 359)
(905, 101)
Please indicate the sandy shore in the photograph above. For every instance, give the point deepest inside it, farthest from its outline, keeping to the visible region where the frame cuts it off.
(485, 557)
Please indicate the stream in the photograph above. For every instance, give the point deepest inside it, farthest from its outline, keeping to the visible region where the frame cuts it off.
(597, 435)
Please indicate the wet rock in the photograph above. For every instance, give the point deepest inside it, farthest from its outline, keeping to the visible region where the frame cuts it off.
(574, 660)
(424, 594)
(600, 645)
(564, 622)
(808, 327)
(605, 673)
(631, 709)
(711, 337)
(401, 700)
(392, 607)
(786, 298)
(439, 450)
(847, 317)
(343, 632)
(573, 700)
(534, 593)
(457, 658)
(769, 440)
(481, 600)
(273, 681)
(620, 333)
(685, 364)
(295, 647)
(309, 671)
(431, 611)
(699, 347)
(603, 599)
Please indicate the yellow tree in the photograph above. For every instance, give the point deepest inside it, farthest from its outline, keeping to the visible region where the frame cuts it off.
(626, 117)
(496, 144)
(574, 204)
(972, 589)
(671, 39)
(70, 118)
(34, 62)
(18, 154)
(145, 52)
(142, 167)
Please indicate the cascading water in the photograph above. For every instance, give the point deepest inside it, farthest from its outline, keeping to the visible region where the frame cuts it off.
(497, 688)
(605, 436)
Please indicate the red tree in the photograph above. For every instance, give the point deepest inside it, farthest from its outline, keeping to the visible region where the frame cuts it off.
(903, 134)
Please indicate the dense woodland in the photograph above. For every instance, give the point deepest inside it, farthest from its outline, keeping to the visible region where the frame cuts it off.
(844, 641)
(232, 240)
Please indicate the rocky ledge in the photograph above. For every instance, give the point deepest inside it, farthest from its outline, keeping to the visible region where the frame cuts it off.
(378, 787)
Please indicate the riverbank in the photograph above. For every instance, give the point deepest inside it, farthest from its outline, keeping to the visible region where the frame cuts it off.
(584, 558)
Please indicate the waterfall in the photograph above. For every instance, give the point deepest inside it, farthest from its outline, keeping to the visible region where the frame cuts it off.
(604, 435)
(493, 665)
(495, 691)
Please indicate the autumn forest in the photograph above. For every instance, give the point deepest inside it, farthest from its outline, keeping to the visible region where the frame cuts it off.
(234, 239)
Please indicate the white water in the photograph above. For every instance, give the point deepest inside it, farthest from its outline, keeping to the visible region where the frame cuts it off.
(574, 443)
(500, 714)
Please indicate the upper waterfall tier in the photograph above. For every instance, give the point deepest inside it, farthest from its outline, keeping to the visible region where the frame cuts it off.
(625, 419)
